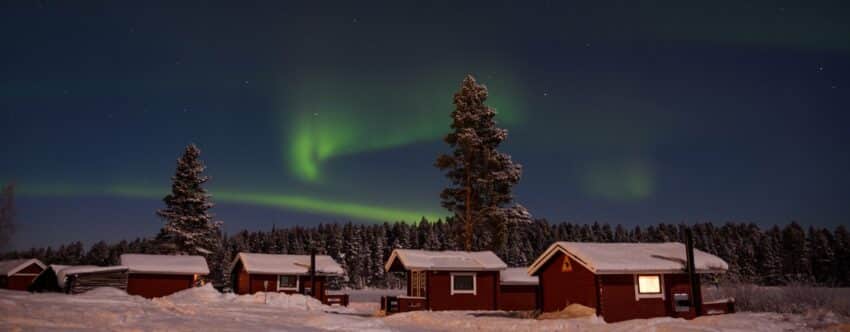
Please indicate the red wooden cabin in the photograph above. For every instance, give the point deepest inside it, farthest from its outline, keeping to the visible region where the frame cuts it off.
(160, 275)
(18, 274)
(519, 291)
(251, 273)
(446, 280)
(621, 280)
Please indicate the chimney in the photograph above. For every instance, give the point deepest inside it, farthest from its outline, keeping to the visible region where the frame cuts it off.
(693, 277)
(313, 272)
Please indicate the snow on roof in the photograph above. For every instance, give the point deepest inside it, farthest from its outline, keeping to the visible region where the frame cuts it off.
(615, 258)
(10, 267)
(165, 264)
(287, 264)
(517, 276)
(63, 271)
(446, 260)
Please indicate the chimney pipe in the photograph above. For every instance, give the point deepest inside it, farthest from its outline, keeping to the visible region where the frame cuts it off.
(693, 277)
(313, 272)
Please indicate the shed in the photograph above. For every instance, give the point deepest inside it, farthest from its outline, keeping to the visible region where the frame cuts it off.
(621, 280)
(18, 274)
(519, 291)
(251, 273)
(75, 279)
(160, 275)
(446, 280)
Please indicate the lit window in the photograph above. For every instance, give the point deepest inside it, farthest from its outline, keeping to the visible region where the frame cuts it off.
(649, 284)
(287, 282)
(463, 283)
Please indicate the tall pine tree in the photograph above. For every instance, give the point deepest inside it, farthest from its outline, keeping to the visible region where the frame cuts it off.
(482, 177)
(189, 227)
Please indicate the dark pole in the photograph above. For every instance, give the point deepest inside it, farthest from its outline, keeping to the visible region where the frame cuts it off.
(313, 272)
(696, 291)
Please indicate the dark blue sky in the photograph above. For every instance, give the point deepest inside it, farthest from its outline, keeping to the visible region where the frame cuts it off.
(620, 112)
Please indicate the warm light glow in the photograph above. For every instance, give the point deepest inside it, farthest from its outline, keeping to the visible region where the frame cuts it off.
(649, 284)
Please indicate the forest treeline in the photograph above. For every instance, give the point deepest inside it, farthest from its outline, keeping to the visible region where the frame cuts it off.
(773, 256)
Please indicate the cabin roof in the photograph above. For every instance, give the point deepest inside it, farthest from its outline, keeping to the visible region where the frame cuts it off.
(624, 258)
(12, 266)
(165, 264)
(517, 276)
(287, 264)
(413, 259)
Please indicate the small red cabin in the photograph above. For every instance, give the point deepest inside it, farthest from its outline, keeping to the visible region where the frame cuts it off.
(519, 291)
(446, 280)
(18, 274)
(251, 273)
(621, 280)
(160, 275)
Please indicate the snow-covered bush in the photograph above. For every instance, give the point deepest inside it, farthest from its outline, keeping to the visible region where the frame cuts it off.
(785, 299)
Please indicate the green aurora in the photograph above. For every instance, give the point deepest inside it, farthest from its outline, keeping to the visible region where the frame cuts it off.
(297, 203)
(322, 127)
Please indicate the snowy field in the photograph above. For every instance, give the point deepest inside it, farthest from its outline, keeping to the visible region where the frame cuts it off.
(206, 309)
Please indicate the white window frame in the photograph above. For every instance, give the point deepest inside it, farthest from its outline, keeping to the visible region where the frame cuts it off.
(639, 295)
(297, 282)
(474, 290)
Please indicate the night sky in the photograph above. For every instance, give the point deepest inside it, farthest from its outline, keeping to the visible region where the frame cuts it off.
(625, 112)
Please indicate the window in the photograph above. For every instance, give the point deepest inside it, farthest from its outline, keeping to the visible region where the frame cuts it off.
(649, 286)
(287, 283)
(417, 283)
(463, 283)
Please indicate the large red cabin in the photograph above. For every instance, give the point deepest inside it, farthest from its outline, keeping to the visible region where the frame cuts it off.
(160, 275)
(18, 274)
(446, 280)
(621, 280)
(251, 273)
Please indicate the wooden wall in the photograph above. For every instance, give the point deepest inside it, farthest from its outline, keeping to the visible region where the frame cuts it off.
(22, 279)
(559, 288)
(440, 297)
(157, 285)
(518, 297)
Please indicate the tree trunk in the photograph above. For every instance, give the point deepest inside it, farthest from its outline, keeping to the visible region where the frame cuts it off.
(468, 223)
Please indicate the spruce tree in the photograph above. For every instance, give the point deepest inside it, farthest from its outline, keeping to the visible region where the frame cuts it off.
(189, 227)
(482, 177)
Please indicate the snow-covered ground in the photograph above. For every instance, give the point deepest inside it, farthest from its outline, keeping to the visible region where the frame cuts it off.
(206, 309)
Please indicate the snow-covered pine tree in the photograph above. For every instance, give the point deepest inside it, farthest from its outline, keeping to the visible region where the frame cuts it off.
(842, 255)
(378, 242)
(822, 256)
(352, 251)
(98, 254)
(769, 259)
(189, 227)
(481, 176)
(795, 254)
